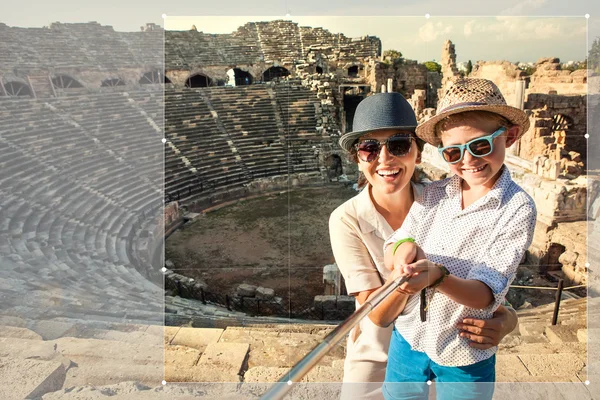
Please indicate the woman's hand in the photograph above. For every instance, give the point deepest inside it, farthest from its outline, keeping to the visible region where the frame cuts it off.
(486, 333)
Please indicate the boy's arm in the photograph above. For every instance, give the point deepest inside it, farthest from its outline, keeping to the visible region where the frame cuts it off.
(487, 283)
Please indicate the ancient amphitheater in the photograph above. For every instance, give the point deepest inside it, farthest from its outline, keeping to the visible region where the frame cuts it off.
(105, 150)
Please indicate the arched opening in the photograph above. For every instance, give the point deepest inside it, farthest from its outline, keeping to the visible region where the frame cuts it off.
(17, 89)
(274, 73)
(549, 261)
(112, 82)
(65, 82)
(319, 70)
(153, 78)
(198, 80)
(238, 77)
(334, 166)
(353, 71)
(352, 96)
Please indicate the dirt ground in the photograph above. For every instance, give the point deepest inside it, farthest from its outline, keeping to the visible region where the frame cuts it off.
(279, 241)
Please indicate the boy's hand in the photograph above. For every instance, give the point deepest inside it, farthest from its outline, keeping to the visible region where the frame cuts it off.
(423, 273)
(406, 253)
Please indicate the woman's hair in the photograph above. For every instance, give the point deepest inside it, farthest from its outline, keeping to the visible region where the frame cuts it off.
(468, 118)
(362, 181)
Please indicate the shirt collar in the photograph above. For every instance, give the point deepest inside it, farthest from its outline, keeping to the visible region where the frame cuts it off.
(453, 187)
(369, 218)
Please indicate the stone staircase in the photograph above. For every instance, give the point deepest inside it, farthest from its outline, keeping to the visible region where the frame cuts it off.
(76, 359)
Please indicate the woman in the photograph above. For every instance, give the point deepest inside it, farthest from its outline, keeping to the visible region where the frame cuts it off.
(386, 150)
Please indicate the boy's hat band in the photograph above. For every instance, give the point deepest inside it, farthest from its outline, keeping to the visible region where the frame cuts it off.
(471, 94)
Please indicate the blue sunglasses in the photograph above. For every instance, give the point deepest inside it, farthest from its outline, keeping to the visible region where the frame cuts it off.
(479, 147)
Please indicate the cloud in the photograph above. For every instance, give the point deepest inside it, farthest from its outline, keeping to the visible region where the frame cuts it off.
(524, 8)
(524, 28)
(430, 31)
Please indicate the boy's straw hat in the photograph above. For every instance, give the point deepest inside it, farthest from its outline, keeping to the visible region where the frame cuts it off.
(379, 112)
(470, 94)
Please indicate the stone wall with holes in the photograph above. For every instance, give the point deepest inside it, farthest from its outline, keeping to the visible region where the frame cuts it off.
(558, 126)
(549, 78)
(505, 75)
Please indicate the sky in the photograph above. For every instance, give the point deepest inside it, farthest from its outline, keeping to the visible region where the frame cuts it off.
(480, 30)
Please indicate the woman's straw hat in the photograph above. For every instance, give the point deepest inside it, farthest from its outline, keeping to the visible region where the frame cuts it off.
(470, 94)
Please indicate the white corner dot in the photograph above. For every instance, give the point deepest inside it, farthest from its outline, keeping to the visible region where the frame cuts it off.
(164, 382)
(587, 265)
(429, 383)
(287, 15)
(587, 136)
(164, 16)
(163, 269)
(587, 382)
(427, 15)
(290, 382)
(587, 16)
(164, 140)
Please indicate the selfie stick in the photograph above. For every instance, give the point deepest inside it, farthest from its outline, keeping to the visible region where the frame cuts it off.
(284, 385)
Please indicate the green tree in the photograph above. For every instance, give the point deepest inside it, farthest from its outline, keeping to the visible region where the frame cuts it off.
(593, 61)
(433, 66)
(469, 67)
(393, 55)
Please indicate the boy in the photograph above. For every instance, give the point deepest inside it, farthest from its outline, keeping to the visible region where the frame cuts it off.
(474, 229)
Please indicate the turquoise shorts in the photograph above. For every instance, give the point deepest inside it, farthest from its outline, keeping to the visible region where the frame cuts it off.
(408, 371)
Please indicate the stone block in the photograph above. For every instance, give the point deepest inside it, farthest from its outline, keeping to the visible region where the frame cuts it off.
(246, 290)
(29, 378)
(224, 356)
(561, 333)
(509, 367)
(263, 293)
(326, 303)
(197, 338)
(20, 333)
(582, 335)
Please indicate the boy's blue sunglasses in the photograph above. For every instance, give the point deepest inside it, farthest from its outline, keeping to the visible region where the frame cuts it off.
(479, 147)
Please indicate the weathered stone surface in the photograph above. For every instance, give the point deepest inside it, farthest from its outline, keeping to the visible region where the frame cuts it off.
(561, 333)
(197, 338)
(552, 364)
(509, 367)
(170, 332)
(20, 333)
(264, 374)
(29, 378)
(224, 356)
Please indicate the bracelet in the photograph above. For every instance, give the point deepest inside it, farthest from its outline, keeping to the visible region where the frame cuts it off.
(439, 281)
(399, 242)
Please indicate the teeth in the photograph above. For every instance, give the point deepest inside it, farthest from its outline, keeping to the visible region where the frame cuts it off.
(388, 172)
(474, 170)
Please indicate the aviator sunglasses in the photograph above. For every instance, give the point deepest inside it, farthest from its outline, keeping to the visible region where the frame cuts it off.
(398, 145)
(479, 147)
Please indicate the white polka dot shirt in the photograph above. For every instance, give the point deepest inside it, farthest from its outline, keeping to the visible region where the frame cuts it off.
(484, 242)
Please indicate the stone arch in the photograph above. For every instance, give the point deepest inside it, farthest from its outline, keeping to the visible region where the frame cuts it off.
(319, 69)
(198, 80)
(561, 123)
(239, 77)
(111, 82)
(155, 77)
(65, 82)
(274, 72)
(353, 71)
(14, 89)
(352, 95)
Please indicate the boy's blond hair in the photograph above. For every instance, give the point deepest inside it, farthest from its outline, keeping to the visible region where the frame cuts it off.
(468, 118)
